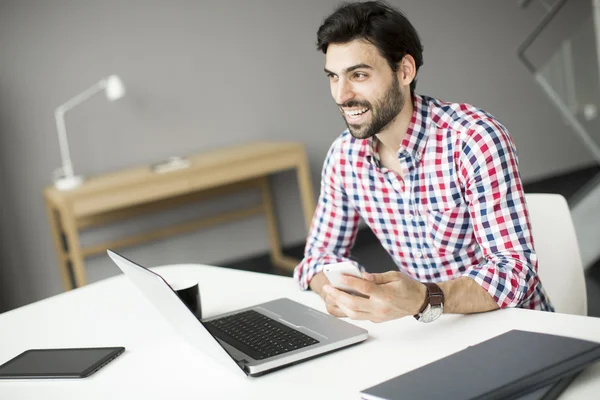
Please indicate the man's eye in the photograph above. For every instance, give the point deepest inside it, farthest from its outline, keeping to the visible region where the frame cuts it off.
(360, 75)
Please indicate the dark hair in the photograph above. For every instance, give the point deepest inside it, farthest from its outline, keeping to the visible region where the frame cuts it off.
(378, 23)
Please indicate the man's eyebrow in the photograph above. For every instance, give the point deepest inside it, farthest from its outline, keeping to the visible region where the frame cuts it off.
(350, 69)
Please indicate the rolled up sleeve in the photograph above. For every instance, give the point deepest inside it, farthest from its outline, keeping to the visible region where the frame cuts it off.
(334, 224)
(494, 193)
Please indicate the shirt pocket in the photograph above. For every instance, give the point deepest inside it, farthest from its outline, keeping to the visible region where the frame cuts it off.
(448, 227)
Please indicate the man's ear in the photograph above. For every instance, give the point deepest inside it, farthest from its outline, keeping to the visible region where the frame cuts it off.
(407, 70)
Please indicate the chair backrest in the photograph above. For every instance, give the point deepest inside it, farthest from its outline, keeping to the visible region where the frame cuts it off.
(560, 267)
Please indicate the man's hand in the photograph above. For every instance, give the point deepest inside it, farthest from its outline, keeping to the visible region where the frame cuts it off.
(392, 295)
(316, 284)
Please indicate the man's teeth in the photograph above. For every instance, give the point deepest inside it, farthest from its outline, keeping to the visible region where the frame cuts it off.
(353, 113)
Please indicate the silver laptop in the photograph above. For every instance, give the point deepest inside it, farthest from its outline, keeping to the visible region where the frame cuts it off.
(253, 340)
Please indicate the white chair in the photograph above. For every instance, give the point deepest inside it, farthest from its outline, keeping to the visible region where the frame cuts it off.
(560, 267)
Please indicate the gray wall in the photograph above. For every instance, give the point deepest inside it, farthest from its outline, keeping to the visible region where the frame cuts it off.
(205, 74)
(571, 63)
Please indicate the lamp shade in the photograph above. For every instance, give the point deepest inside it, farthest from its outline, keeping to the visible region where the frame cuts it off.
(114, 88)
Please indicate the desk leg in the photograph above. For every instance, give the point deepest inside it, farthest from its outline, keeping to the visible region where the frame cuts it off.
(63, 263)
(75, 256)
(277, 256)
(306, 190)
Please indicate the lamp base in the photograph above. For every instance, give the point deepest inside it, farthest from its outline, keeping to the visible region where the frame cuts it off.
(68, 183)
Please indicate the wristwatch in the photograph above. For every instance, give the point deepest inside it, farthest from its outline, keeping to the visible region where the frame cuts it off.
(434, 303)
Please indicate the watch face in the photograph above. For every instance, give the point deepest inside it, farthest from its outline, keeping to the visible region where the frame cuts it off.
(431, 314)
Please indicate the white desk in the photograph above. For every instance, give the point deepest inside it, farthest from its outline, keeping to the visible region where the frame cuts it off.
(159, 365)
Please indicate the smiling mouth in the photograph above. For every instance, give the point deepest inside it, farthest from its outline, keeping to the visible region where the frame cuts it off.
(356, 112)
(357, 116)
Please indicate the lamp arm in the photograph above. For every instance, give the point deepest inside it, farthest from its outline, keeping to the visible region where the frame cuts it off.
(67, 166)
(59, 115)
(83, 96)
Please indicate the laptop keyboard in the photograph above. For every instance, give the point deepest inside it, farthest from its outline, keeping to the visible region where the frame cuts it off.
(256, 335)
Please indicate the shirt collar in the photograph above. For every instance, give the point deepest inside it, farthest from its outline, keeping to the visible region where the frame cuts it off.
(371, 152)
(416, 135)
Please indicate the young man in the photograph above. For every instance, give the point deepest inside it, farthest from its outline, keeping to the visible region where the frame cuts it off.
(437, 183)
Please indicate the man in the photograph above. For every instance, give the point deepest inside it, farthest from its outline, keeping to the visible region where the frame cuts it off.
(436, 182)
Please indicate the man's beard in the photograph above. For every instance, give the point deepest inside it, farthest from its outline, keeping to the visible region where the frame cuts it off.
(384, 112)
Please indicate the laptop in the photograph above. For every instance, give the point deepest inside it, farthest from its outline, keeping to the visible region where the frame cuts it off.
(251, 341)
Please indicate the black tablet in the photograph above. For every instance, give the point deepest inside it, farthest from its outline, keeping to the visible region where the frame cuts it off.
(58, 363)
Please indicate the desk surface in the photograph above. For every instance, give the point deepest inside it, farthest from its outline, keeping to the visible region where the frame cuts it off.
(158, 364)
(245, 158)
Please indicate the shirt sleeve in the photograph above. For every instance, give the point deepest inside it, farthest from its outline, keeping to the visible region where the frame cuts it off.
(494, 192)
(334, 224)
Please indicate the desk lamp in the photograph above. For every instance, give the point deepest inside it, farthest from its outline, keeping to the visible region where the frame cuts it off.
(64, 178)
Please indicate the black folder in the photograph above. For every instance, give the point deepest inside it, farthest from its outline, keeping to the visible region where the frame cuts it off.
(514, 365)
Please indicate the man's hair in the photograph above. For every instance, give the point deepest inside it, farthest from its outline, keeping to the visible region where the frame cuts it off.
(378, 23)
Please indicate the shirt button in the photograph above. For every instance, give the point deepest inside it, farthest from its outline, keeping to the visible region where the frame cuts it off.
(418, 254)
(410, 217)
(418, 157)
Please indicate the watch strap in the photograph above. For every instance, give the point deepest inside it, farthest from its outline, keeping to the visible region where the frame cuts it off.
(433, 296)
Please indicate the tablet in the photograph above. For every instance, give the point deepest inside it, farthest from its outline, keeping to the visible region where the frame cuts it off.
(58, 363)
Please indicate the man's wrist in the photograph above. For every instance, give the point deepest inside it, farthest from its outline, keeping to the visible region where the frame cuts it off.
(419, 298)
(465, 296)
(317, 282)
(433, 305)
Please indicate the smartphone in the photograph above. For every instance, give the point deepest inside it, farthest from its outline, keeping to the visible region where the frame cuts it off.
(333, 272)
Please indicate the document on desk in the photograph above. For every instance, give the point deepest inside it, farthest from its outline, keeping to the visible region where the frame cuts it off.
(507, 366)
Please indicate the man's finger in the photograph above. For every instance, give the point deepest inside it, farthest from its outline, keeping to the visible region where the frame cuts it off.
(354, 314)
(330, 301)
(359, 285)
(330, 304)
(335, 311)
(349, 301)
(386, 277)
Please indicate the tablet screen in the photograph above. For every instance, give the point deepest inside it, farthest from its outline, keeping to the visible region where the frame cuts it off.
(58, 363)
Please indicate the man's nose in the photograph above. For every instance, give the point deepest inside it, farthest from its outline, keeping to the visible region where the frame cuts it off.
(343, 93)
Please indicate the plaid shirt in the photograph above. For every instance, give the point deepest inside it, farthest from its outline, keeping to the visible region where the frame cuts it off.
(459, 211)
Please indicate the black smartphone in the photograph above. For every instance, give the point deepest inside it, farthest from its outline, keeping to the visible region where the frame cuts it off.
(58, 363)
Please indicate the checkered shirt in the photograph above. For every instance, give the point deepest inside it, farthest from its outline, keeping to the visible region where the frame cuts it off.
(459, 211)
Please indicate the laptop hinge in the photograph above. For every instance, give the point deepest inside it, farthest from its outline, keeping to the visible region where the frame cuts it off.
(243, 364)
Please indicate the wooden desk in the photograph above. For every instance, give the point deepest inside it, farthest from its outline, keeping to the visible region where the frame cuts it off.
(137, 191)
